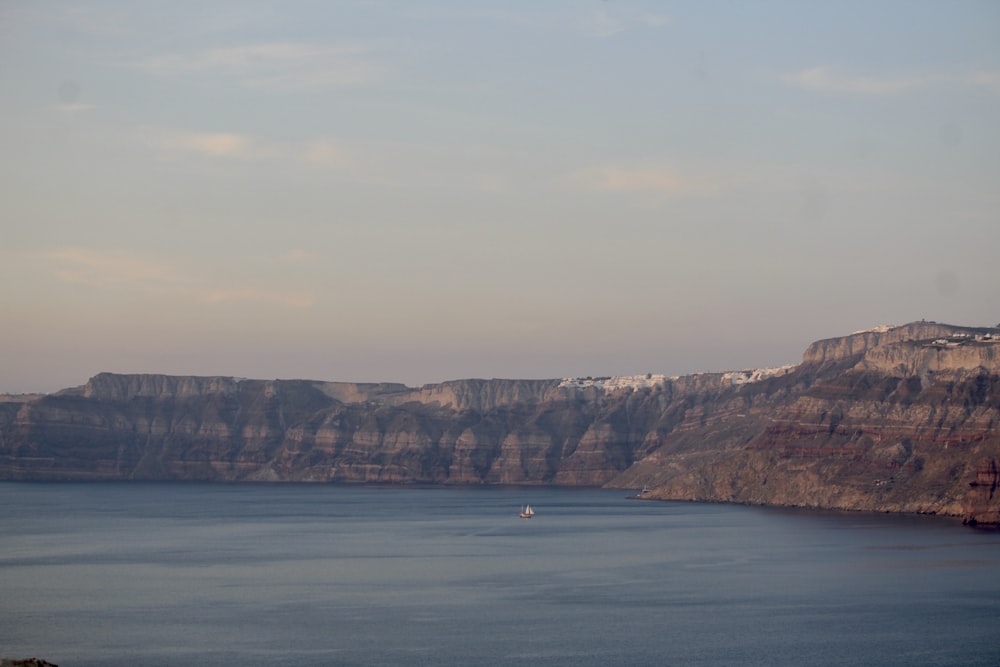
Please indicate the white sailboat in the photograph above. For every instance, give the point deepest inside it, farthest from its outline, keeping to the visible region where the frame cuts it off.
(527, 512)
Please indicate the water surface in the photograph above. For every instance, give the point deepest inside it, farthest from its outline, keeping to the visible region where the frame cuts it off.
(168, 574)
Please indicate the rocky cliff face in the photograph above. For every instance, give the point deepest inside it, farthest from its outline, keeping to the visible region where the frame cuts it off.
(858, 343)
(895, 419)
(883, 422)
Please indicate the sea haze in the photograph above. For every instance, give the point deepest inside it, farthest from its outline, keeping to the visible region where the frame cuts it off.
(163, 574)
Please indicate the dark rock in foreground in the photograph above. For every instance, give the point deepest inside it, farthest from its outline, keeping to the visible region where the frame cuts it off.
(900, 419)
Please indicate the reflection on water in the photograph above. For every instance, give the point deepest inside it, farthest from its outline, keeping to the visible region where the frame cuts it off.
(156, 574)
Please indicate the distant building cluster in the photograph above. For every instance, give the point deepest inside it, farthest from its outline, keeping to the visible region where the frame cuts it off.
(882, 328)
(649, 380)
(616, 382)
(959, 339)
(756, 374)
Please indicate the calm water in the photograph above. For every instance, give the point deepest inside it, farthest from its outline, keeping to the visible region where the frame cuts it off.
(161, 574)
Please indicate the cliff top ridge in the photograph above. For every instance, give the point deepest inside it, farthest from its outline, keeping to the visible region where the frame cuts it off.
(956, 347)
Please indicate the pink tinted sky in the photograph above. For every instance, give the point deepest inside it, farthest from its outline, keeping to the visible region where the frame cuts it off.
(423, 191)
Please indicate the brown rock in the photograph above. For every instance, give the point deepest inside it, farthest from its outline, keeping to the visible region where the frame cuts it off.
(895, 419)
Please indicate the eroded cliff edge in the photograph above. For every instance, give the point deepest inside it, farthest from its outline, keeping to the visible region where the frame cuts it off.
(892, 419)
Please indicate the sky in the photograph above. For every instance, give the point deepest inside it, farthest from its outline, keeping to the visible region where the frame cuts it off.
(420, 191)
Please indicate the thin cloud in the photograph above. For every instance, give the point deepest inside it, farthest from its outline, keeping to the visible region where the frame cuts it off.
(74, 107)
(605, 21)
(210, 144)
(826, 80)
(274, 66)
(986, 79)
(130, 271)
(658, 181)
(326, 153)
(615, 20)
(322, 153)
(85, 266)
(287, 299)
(215, 144)
(599, 24)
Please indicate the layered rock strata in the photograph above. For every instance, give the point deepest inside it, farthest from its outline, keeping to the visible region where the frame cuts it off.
(901, 419)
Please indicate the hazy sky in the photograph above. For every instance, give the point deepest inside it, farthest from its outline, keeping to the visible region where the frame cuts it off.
(422, 191)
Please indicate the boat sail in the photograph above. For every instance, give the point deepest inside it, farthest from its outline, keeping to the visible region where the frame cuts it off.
(527, 512)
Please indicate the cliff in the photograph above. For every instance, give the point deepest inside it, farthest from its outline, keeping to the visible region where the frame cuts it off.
(860, 342)
(896, 420)
(900, 419)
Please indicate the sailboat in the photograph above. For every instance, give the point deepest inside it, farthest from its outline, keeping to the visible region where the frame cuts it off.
(527, 512)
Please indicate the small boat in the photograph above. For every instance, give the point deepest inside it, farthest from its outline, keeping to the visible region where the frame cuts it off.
(527, 512)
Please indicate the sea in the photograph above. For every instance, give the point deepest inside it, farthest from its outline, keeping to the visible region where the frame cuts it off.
(156, 574)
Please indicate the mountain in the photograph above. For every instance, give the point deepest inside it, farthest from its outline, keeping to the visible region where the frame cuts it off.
(893, 419)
